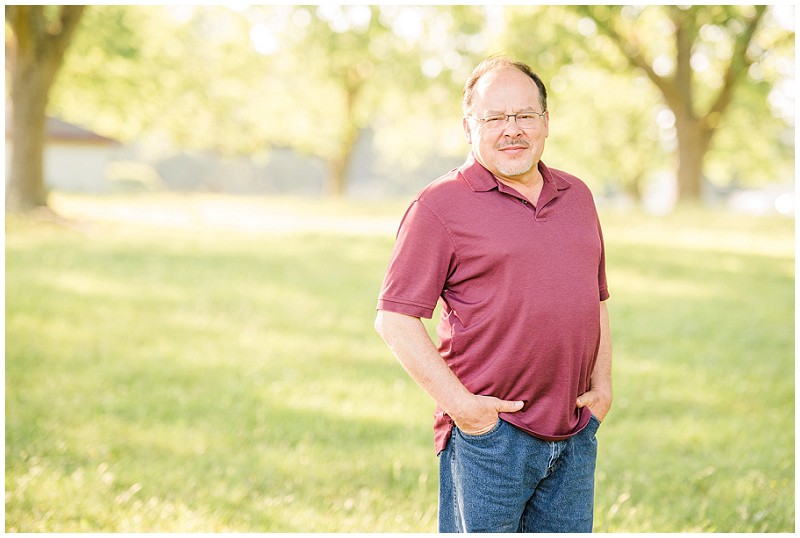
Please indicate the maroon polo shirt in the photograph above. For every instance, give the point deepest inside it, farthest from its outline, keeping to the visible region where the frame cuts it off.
(520, 287)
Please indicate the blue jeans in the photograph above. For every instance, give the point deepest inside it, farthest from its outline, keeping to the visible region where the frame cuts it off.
(509, 481)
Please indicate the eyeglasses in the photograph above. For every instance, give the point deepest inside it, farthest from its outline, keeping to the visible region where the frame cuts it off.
(525, 120)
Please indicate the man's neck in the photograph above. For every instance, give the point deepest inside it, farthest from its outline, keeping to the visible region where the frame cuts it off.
(531, 179)
(528, 185)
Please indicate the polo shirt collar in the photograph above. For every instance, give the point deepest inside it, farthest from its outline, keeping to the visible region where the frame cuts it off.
(480, 179)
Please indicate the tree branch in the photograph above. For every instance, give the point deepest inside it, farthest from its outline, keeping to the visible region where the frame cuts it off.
(685, 34)
(737, 66)
(69, 18)
(29, 24)
(20, 19)
(634, 55)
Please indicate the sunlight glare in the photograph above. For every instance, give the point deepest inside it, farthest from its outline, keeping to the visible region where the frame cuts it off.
(264, 41)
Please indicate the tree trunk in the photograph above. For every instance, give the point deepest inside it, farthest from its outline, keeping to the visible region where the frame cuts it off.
(695, 130)
(339, 165)
(34, 58)
(336, 182)
(352, 83)
(634, 187)
(30, 85)
(694, 139)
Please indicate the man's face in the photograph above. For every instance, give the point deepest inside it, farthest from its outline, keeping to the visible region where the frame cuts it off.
(511, 153)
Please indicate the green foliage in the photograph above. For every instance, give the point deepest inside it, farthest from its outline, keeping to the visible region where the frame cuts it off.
(310, 77)
(603, 125)
(187, 378)
(168, 77)
(626, 130)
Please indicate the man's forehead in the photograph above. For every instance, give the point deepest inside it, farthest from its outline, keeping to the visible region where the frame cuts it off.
(500, 83)
(505, 74)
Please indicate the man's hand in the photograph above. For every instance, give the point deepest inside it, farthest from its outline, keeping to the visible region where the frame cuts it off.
(598, 402)
(408, 339)
(480, 414)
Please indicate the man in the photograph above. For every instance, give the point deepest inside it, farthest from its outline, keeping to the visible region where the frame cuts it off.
(522, 374)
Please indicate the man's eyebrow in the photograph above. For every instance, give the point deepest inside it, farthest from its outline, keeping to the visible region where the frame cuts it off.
(517, 110)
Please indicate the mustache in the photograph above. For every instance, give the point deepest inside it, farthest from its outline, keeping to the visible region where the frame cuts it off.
(514, 144)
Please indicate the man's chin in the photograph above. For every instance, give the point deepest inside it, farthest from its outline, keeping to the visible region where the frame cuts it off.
(516, 169)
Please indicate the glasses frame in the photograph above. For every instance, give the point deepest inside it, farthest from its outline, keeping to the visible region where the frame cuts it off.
(507, 117)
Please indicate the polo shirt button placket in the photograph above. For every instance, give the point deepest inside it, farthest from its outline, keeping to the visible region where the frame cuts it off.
(535, 212)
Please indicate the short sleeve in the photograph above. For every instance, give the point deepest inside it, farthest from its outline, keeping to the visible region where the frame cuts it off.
(422, 259)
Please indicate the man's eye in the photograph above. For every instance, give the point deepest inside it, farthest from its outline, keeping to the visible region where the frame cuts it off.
(492, 120)
(525, 117)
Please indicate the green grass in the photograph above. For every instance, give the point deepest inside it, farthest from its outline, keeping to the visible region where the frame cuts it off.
(204, 378)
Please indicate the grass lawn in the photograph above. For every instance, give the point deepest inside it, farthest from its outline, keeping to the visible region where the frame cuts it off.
(213, 367)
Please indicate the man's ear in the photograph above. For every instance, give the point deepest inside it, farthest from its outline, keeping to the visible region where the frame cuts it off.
(546, 123)
(467, 131)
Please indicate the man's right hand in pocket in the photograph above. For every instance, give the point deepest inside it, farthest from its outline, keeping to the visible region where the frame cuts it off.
(480, 415)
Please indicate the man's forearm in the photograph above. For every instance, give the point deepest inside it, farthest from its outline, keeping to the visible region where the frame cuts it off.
(601, 376)
(598, 397)
(408, 340)
(601, 385)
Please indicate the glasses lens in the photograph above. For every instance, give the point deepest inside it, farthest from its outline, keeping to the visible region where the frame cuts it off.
(494, 123)
(499, 123)
(527, 120)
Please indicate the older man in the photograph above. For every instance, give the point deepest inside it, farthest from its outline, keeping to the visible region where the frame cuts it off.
(522, 372)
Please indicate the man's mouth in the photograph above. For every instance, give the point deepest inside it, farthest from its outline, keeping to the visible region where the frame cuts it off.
(513, 145)
(513, 148)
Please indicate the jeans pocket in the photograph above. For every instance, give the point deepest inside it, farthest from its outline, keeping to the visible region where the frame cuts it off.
(480, 436)
(596, 421)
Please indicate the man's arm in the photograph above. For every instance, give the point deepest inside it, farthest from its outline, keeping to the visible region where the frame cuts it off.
(598, 398)
(408, 340)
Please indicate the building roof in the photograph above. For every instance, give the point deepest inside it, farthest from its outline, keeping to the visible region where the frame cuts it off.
(57, 130)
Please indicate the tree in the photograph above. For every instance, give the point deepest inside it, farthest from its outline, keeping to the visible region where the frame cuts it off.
(237, 82)
(336, 40)
(673, 69)
(168, 77)
(41, 36)
(365, 64)
(602, 124)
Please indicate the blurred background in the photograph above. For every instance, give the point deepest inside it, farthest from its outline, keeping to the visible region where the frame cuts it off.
(671, 104)
(201, 202)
